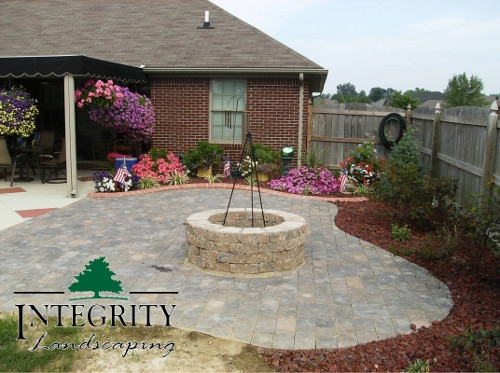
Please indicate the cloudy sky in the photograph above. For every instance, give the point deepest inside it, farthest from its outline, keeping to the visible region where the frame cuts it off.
(397, 44)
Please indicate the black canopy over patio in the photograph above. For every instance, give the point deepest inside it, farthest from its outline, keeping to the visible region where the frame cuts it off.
(68, 68)
(59, 66)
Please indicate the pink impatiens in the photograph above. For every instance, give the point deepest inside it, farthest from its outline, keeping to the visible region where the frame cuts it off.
(160, 170)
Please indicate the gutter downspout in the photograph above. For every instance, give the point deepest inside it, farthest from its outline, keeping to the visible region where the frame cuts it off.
(301, 115)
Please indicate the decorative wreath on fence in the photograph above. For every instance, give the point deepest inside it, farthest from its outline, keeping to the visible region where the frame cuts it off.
(391, 129)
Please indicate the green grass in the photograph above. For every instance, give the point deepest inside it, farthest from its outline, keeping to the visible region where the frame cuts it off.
(16, 356)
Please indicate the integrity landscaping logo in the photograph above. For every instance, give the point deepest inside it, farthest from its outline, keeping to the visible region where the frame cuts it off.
(96, 278)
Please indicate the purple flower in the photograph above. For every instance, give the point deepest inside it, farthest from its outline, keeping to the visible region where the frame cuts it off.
(129, 113)
(304, 180)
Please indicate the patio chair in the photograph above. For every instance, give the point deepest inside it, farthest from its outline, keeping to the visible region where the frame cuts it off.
(20, 160)
(55, 163)
(46, 141)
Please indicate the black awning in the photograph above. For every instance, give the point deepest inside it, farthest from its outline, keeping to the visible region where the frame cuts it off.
(58, 66)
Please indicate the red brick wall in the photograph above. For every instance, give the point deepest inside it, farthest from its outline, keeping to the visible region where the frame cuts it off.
(182, 113)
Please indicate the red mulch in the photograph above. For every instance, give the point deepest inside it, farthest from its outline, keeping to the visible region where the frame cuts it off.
(474, 284)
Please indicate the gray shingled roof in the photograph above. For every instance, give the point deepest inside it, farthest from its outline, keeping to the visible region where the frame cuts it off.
(163, 35)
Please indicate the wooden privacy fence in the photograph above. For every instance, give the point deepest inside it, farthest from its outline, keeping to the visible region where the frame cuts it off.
(461, 142)
(339, 128)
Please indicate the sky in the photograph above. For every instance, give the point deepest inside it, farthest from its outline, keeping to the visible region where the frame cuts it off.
(398, 44)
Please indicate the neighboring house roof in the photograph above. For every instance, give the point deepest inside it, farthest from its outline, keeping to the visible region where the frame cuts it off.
(428, 96)
(167, 36)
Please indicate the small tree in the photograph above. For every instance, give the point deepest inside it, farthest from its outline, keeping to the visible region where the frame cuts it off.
(462, 91)
(96, 277)
(377, 94)
(420, 199)
(401, 100)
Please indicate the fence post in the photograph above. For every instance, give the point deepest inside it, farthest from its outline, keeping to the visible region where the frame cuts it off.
(408, 115)
(490, 150)
(435, 141)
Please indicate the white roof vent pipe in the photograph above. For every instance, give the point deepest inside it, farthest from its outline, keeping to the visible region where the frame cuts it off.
(206, 24)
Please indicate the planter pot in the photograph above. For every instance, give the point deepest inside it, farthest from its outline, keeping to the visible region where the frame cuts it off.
(204, 172)
(261, 176)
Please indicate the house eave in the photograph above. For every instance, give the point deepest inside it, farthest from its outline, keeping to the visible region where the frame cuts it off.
(316, 76)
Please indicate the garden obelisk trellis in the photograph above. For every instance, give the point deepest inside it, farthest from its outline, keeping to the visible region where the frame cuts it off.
(248, 149)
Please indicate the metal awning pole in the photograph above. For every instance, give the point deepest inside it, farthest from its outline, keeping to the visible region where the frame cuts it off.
(70, 135)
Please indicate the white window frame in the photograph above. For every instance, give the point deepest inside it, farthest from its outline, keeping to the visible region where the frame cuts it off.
(229, 111)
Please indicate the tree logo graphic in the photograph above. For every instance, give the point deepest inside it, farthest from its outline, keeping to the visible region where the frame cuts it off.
(96, 277)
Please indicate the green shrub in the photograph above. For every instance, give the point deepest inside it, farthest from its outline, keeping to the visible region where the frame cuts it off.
(268, 160)
(422, 201)
(157, 153)
(312, 159)
(177, 178)
(482, 217)
(213, 178)
(400, 233)
(479, 220)
(479, 343)
(204, 155)
(363, 190)
(148, 182)
(418, 366)
(265, 154)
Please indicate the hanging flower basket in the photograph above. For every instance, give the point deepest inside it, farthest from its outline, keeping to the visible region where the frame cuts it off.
(17, 112)
(113, 106)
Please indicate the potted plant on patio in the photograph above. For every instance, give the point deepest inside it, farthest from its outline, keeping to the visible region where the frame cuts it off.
(200, 160)
(268, 162)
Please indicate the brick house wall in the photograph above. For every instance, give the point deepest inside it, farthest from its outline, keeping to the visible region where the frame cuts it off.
(182, 112)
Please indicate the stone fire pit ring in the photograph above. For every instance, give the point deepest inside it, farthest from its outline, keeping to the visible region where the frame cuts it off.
(237, 248)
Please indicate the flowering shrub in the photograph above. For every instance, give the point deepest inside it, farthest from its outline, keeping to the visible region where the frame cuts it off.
(158, 165)
(363, 164)
(117, 107)
(17, 112)
(307, 180)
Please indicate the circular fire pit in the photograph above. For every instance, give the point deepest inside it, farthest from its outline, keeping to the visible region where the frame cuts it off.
(238, 248)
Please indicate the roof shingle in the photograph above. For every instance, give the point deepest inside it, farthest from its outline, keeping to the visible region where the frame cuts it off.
(156, 33)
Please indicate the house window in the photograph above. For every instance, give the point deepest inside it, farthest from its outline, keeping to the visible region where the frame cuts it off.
(228, 106)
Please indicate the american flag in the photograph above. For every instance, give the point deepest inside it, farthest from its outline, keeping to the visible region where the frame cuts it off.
(122, 173)
(343, 180)
(227, 168)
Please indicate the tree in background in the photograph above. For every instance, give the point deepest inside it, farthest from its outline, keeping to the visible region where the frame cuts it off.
(462, 91)
(346, 93)
(377, 94)
(401, 100)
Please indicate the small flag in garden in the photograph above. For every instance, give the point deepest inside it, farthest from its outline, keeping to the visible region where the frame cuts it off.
(343, 180)
(122, 173)
(227, 168)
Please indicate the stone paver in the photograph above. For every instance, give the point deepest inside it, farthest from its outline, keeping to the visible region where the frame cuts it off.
(348, 291)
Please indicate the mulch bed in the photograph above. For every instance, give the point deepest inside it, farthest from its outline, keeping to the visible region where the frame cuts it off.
(475, 292)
